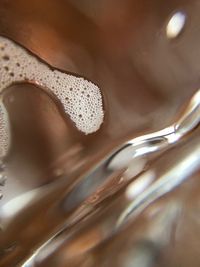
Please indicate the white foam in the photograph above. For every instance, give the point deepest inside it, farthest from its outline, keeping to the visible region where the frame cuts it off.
(4, 131)
(81, 99)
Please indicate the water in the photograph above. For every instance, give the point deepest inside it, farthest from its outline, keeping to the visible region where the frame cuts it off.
(69, 190)
(125, 163)
(2, 177)
(101, 182)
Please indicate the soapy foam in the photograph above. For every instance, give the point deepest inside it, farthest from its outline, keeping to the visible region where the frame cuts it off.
(4, 131)
(81, 99)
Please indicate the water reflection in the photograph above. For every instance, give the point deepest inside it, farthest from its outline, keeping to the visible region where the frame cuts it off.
(76, 219)
(176, 25)
(126, 193)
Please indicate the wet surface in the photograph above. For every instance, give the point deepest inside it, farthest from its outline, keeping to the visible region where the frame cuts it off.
(147, 77)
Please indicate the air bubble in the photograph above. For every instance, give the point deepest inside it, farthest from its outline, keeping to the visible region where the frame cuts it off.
(6, 57)
(22, 66)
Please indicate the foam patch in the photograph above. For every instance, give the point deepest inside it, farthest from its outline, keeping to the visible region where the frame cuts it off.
(81, 99)
(4, 131)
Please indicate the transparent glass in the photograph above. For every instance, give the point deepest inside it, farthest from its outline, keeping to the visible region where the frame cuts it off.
(128, 194)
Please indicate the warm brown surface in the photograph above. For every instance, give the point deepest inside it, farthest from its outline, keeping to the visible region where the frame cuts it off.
(122, 46)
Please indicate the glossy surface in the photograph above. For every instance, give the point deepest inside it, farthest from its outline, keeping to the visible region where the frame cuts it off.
(127, 195)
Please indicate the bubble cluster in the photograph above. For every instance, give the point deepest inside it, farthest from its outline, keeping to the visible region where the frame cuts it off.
(4, 131)
(81, 99)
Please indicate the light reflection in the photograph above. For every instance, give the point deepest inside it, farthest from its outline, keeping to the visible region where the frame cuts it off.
(175, 25)
(139, 185)
(164, 184)
(191, 116)
(135, 167)
(143, 255)
(16, 204)
(146, 149)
